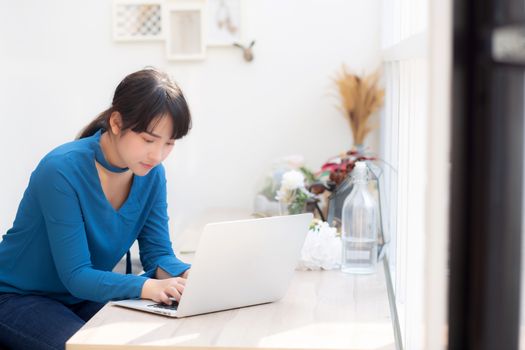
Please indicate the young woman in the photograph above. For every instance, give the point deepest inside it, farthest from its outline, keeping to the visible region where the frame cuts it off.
(86, 203)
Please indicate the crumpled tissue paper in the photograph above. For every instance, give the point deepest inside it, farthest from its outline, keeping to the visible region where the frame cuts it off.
(321, 249)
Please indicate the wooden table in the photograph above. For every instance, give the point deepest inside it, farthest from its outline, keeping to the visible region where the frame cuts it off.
(321, 310)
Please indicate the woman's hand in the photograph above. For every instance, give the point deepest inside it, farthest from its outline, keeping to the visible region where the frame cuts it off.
(185, 274)
(162, 290)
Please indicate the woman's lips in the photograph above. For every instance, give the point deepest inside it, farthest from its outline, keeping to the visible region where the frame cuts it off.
(147, 166)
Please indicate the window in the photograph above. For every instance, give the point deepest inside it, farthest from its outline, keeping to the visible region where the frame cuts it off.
(404, 148)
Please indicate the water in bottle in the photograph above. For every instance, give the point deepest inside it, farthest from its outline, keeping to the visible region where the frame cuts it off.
(359, 216)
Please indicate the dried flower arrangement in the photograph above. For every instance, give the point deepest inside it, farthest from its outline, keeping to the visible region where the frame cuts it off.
(360, 98)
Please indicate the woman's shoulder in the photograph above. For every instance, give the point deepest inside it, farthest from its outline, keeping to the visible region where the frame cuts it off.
(159, 171)
(66, 164)
(156, 175)
(69, 154)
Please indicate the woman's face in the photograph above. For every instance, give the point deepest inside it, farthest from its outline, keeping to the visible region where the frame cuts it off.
(142, 151)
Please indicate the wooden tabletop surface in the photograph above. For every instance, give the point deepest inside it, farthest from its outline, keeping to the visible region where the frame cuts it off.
(321, 310)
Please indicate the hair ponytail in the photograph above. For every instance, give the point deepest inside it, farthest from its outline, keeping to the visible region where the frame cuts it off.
(100, 122)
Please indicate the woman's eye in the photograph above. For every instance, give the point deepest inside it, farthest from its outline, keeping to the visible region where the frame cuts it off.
(149, 141)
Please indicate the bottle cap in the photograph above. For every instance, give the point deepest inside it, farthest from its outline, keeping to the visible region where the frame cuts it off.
(360, 165)
(360, 170)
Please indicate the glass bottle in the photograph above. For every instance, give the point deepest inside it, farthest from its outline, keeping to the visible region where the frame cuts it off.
(359, 217)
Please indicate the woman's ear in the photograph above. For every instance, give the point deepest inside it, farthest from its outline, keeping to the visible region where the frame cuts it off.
(115, 123)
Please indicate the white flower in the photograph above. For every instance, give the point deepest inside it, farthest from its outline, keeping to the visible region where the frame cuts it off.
(292, 180)
(321, 249)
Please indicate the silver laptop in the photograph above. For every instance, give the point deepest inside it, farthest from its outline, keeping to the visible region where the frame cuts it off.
(237, 264)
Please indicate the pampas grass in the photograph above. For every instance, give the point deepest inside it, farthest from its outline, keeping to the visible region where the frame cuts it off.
(360, 98)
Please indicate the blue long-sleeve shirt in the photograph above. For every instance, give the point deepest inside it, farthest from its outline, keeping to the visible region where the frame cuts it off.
(67, 238)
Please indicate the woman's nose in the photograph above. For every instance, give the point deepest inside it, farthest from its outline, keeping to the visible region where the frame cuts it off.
(155, 155)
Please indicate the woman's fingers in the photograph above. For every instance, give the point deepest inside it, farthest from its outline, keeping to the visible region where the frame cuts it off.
(180, 288)
(171, 289)
(174, 292)
(180, 280)
(165, 298)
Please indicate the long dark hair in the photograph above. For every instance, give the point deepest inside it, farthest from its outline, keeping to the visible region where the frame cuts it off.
(140, 98)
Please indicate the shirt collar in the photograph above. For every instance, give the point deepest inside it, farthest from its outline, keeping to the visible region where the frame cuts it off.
(101, 159)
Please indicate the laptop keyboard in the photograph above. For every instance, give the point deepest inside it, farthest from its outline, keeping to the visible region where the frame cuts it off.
(164, 306)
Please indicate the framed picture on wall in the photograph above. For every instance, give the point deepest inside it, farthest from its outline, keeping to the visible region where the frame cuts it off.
(137, 20)
(224, 22)
(185, 30)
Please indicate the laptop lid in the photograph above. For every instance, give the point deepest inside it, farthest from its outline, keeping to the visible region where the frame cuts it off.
(238, 263)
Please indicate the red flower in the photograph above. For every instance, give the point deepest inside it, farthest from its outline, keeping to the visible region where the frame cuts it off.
(330, 166)
(339, 171)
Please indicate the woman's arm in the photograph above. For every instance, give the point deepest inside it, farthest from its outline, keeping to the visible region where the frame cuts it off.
(68, 242)
(156, 252)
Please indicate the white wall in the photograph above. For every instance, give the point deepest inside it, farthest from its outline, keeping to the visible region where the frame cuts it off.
(59, 68)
